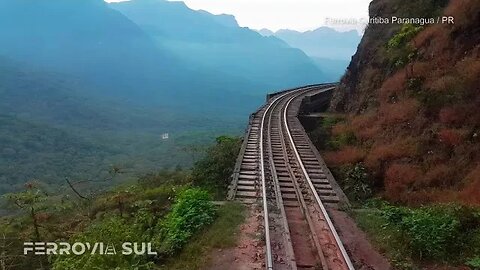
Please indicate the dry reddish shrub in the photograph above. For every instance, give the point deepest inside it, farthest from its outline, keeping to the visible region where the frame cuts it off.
(372, 75)
(347, 155)
(422, 69)
(385, 152)
(340, 129)
(441, 41)
(399, 112)
(443, 83)
(451, 115)
(364, 126)
(362, 121)
(471, 192)
(393, 85)
(451, 137)
(439, 176)
(427, 196)
(424, 37)
(469, 70)
(399, 178)
(464, 11)
(368, 133)
(42, 217)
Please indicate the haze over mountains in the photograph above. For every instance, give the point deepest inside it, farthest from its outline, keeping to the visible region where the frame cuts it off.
(114, 76)
(218, 43)
(330, 49)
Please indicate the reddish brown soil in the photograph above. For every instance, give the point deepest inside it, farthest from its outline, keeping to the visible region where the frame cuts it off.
(248, 254)
(361, 252)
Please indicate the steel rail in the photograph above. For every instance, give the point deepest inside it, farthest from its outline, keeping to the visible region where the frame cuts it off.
(269, 260)
(291, 261)
(303, 207)
(269, 257)
(312, 187)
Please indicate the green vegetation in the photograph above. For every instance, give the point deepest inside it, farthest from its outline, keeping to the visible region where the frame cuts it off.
(409, 236)
(160, 208)
(35, 151)
(357, 182)
(191, 211)
(385, 237)
(474, 263)
(220, 235)
(406, 33)
(399, 51)
(30, 201)
(322, 135)
(112, 230)
(214, 170)
(54, 127)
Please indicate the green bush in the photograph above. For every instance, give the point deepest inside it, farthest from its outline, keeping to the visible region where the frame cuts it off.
(341, 140)
(163, 177)
(436, 232)
(474, 263)
(328, 122)
(192, 210)
(112, 230)
(431, 233)
(406, 33)
(357, 183)
(214, 170)
(399, 51)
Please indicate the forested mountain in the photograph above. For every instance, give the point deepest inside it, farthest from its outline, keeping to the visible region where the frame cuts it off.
(37, 152)
(52, 127)
(84, 38)
(103, 87)
(101, 47)
(217, 42)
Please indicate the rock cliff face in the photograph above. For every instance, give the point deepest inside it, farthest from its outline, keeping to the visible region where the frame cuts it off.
(412, 98)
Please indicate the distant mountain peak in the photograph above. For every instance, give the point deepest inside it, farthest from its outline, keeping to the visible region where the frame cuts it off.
(323, 42)
(223, 19)
(266, 32)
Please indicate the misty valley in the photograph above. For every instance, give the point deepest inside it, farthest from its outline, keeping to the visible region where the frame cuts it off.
(88, 85)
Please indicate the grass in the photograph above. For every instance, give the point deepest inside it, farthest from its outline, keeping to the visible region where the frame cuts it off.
(223, 233)
(412, 238)
(386, 238)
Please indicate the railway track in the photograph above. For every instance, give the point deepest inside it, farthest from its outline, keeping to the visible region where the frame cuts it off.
(279, 168)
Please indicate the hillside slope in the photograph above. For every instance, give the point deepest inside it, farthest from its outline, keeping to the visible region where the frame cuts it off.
(102, 48)
(412, 94)
(31, 151)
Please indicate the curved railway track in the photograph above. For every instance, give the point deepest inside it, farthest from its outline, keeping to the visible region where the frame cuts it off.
(279, 167)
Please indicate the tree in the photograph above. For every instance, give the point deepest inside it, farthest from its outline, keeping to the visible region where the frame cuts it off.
(214, 170)
(30, 201)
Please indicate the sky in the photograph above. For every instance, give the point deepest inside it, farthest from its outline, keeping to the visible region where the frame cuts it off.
(300, 15)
